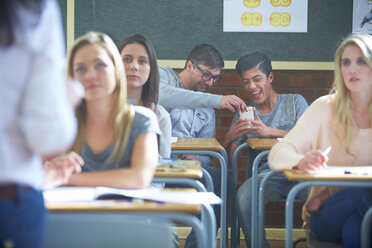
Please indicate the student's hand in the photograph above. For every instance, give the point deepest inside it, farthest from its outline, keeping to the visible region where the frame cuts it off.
(258, 127)
(187, 157)
(312, 161)
(240, 127)
(317, 200)
(59, 169)
(232, 103)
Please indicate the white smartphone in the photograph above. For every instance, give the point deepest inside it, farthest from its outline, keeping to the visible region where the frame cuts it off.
(249, 114)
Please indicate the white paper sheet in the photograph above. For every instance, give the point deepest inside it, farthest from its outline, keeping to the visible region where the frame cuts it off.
(343, 170)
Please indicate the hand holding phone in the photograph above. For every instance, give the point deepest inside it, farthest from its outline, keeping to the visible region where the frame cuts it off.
(248, 114)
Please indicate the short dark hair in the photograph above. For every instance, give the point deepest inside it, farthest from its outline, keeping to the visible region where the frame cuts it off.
(151, 87)
(249, 61)
(207, 55)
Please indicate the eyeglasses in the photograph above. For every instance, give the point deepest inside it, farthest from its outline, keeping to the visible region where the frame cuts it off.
(207, 75)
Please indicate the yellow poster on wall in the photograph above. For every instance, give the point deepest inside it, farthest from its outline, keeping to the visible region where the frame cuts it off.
(265, 16)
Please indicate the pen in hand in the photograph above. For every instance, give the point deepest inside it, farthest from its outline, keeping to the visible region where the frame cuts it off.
(321, 165)
(326, 152)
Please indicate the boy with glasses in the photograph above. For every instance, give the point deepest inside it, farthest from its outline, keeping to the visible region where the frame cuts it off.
(187, 89)
(191, 109)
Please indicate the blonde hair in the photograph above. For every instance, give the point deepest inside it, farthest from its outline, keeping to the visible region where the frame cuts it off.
(122, 113)
(342, 102)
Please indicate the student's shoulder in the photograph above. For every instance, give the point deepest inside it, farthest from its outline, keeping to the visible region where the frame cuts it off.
(293, 97)
(321, 106)
(142, 114)
(323, 102)
(161, 112)
(166, 71)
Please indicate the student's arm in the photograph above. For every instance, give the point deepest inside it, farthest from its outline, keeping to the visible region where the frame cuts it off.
(143, 163)
(172, 95)
(300, 146)
(59, 169)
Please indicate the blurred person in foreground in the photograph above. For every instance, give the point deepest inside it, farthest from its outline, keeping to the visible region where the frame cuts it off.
(36, 117)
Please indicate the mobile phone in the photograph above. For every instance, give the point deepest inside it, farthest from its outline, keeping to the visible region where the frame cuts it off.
(248, 114)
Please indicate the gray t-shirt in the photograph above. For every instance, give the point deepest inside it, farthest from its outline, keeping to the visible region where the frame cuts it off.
(144, 121)
(283, 116)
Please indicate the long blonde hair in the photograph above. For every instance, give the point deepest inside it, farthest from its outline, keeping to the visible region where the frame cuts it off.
(342, 101)
(122, 113)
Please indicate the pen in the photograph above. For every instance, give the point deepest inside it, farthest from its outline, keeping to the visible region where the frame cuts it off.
(325, 153)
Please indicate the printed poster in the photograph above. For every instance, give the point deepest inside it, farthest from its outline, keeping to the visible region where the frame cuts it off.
(362, 16)
(265, 16)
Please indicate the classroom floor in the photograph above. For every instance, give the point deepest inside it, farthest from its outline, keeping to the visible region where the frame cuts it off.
(276, 237)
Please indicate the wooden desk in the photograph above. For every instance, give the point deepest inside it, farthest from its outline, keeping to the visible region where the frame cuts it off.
(185, 213)
(261, 144)
(165, 170)
(183, 175)
(197, 144)
(309, 180)
(122, 206)
(210, 147)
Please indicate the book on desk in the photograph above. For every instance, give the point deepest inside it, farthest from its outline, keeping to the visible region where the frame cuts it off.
(74, 194)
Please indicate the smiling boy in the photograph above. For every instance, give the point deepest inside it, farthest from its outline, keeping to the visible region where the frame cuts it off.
(275, 114)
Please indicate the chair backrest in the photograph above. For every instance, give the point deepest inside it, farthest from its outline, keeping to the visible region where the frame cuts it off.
(101, 230)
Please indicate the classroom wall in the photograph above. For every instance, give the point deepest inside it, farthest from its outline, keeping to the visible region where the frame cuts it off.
(175, 26)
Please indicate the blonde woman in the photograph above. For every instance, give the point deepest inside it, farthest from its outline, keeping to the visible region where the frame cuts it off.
(117, 141)
(343, 121)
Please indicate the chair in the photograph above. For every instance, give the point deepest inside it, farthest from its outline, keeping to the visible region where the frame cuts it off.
(95, 230)
(366, 229)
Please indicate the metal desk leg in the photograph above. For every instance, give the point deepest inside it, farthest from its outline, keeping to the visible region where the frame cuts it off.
(297, 188)
(255, 200)
(261, 210)
(235, 232)
(366, 229)
(221, 159)
(208, 180)
(209, 221)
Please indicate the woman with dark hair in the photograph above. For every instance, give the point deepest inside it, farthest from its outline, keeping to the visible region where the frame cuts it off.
(141, 68)
(35, 117)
